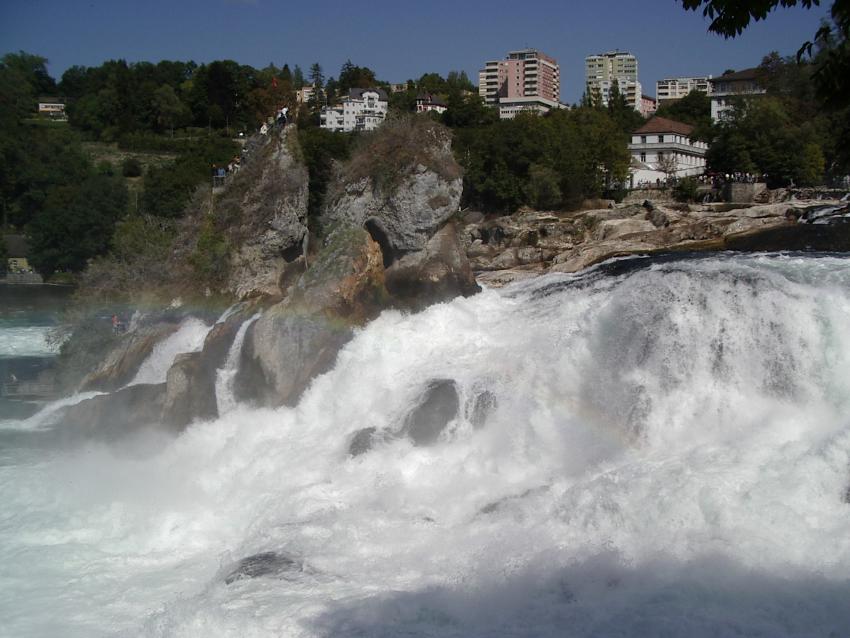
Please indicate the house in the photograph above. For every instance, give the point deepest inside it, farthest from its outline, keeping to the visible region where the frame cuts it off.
(670, 90)
(728, 88)
(303, 95)
(425, 103)
(361, 110)
(52, 107)
(663, 149)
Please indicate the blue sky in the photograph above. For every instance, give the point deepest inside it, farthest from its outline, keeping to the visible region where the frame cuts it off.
(398, 39)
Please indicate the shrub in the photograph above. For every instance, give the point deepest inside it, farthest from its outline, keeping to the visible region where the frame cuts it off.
(131, 167)
(685, 190)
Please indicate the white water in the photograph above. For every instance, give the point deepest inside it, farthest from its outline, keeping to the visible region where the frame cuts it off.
(188, 338)
(669, 457)
(225, 376)
(28, 341)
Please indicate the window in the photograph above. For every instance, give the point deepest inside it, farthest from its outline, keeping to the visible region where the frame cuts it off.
(643, 139)
(643, 157)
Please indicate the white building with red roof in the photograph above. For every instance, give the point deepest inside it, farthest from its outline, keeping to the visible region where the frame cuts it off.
(663, 149)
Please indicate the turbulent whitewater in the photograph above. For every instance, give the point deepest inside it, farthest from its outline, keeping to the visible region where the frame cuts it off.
(667, 453)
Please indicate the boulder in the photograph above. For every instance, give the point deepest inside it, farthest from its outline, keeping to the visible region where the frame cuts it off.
(437, 273)
(190, 391)
(362, 441)
(267, 564)
(346, 280)
(438, 406)
(298, 338)
(111, 416)
(124, 360)
(283, 351)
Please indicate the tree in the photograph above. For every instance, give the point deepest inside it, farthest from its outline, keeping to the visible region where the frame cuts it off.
(729, 18)
(317, 81)
(298, 78)
(76, 224)
(668, 164)
(169, 109)
(693, 109)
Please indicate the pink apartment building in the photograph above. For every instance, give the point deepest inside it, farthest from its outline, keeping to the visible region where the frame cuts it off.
(524, 80)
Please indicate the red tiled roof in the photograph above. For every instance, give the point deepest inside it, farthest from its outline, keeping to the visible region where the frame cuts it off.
(663, 125)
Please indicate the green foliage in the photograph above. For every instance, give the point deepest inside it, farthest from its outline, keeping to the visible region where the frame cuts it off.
(131, 167)
(320, 149)
(386, 154)
(210, 258)
(168, 188)
(351, 76)
(685, 190)
(512, 163)
(76, 224)
(693, 109)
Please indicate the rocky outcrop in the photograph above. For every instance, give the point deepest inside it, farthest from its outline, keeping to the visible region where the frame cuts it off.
(528, 243)
(123, 362)
(439, 272)
(111, 416)
(189, 391)
(299, 338)
(273, 219)
(437, 407)
(403, 211)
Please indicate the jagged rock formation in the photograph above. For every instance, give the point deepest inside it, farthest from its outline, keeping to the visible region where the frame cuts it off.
(404, 209)
(273, 221)
(529, 242)
(299, 338)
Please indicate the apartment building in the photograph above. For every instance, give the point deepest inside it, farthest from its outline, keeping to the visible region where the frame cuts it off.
(672, 89)
(731, 87)
(361, 110)
(603, 69)
(526, 80)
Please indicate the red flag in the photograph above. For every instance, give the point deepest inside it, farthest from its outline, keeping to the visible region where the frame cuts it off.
(274, 83)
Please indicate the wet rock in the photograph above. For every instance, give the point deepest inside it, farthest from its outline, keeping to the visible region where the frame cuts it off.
(362, 441)
(346, 279)
(438, 406)
(124, 360)
(190, 390)
(483, 405)
(438, 273)
(264, 564)
(284, 350)
(111, 416)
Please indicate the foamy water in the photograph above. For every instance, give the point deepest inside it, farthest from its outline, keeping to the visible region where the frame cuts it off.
(669, 455)
(27, 341)
(189, 337)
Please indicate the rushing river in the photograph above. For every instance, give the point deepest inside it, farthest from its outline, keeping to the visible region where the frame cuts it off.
(667, 453)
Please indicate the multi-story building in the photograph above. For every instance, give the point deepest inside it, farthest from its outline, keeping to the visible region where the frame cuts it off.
(303, 95)
(603, 69)
(648, 105)
(526, 80)
(662, 149)
(729, 88)
(52, 107)
(672, 89)
(361, 110)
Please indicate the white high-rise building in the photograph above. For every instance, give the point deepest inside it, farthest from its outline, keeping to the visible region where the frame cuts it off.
(603, 69)
(361, 110)
(672, 89)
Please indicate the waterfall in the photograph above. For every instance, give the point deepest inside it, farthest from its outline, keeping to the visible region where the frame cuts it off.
(650, 447)
(226, 375)
(189, 337)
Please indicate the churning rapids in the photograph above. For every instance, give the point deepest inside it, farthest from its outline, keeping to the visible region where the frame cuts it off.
(667, 453)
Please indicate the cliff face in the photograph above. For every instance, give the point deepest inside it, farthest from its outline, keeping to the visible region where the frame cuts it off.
(401, 189)
(273, 221)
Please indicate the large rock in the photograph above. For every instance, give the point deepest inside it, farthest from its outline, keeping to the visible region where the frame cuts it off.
(403, 213)
(190, 391)
(437, 273)
(298, 339)
(437, 407)
(112, 416)
(346, 280)
(124, 360)
(273, 220)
